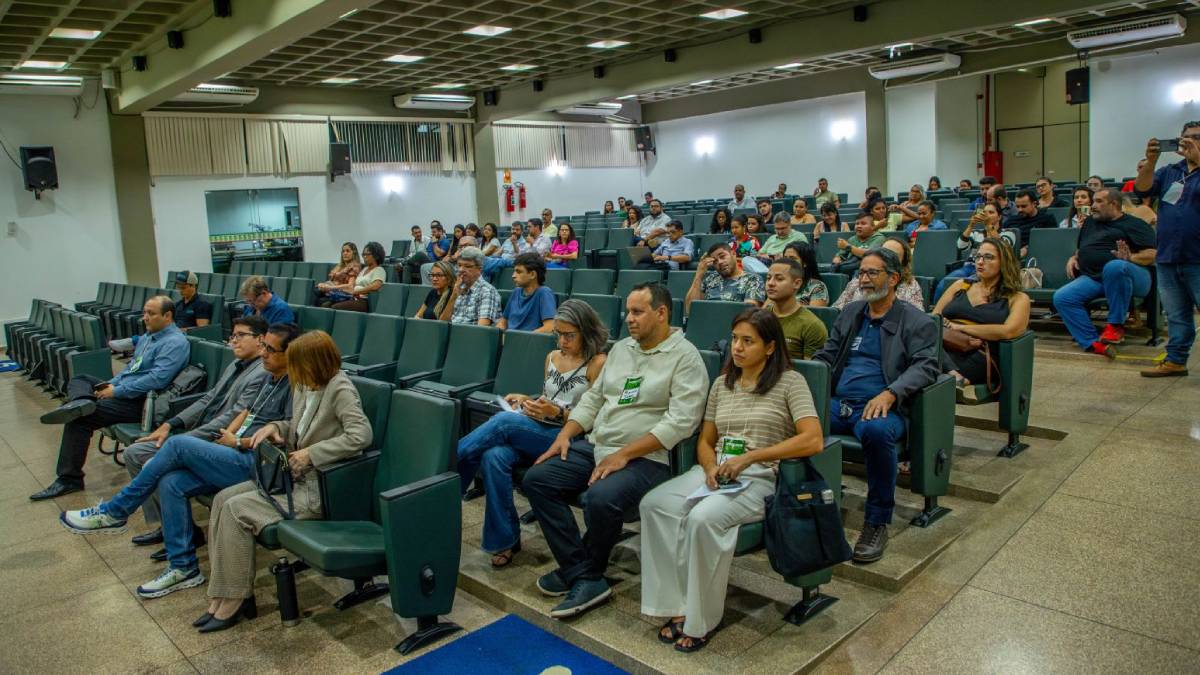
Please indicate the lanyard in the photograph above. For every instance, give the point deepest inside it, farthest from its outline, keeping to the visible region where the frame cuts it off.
(269, 392)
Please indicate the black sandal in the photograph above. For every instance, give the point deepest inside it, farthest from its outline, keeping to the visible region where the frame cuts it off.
(676, 628)
(505, 556)
(697, 644)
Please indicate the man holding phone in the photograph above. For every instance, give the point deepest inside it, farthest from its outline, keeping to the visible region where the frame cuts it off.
(1177, 188)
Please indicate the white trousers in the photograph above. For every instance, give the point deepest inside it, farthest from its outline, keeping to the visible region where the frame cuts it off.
(687, 546)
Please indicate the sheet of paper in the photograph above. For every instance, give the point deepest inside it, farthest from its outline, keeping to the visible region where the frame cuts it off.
(500, 400)
(704, 491)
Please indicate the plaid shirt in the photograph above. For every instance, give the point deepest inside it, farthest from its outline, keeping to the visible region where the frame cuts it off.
(482, 301)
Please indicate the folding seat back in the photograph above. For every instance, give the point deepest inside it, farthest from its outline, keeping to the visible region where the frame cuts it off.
(427, 429)
(348, 329)
(287, 268)
(316, 318)
(273, 269)
(416, 298)
(935, 248)
(706, 241)
(279, 286)
(236, 267)
(226, 357)
(299, 291)
(619, 238)
(592, 282)
(559, 281)
(472, 354)
(231, 289)
(679, 281)
(382, 337)
(827, 246)
(627, 279)
(711, 321)
(376, 398)
(504, 282)
(258, 268)
(203, 281)
(835, 282)
(321, 270)
(208, 356)
(1052, 248)
(608, 307)
(389, 300)
(827, 315)
(400, 248)
(169, 279)
(423, 348)
(594, 239)
(522, 362)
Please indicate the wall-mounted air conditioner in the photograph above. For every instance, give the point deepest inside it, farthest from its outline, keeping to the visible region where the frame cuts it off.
(434, 101)
(920, 65)
(1133, 30)
(602, 109)
(41, 85)
(218, 93)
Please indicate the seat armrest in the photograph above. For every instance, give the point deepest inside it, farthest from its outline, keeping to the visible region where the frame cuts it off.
(406, 381)
(683, 456)
(384, 372)
(97, 363)
(349, 358)
(458, 392)
(211, 332)
(346, 487)
(422, 540)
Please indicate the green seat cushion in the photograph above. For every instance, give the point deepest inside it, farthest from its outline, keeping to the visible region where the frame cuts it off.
(749, 538)
(127, 433)
(336, 548)
(1040, 294)
(268, 537)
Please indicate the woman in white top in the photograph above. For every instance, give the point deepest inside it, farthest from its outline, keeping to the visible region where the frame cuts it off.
(759, 411)
(369, 280)
(515, 438)
(489, 242)
(1081, 207)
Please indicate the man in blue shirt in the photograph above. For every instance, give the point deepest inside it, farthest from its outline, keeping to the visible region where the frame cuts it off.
(260, 301)
(93, 404)
(675, 251)
(532, 305)
(436, 249)
(1177, 189)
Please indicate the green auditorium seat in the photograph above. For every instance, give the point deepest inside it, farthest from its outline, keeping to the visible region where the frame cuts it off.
(1015, 361)
(504, 282)
(470, 364)
(287, 268)
(347, 332)
(1051, 248)
(258, 268)
(408, 525)
(628, 278)
(618, 238)
(592, 282)
(559, 281)
(712, 364)
(608, 307)
(389, 300)
(934, 249)
(399, 249)
(316, 318)
(710, 321)
(299, 291)
(415, 298)
(238, 267)
(423, 349)
(836, 283)
(679, 281)
(521, 370)
(382, 337)
(273, 268)
(827, 315)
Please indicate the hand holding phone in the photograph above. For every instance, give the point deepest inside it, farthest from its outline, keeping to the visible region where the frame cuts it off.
(1168, 144)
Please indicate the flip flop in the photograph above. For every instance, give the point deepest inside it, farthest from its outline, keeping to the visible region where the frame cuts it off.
(676, 628)
(505, 558)
(697, 644)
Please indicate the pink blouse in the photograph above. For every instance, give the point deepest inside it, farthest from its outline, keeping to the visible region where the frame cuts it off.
(559, 248)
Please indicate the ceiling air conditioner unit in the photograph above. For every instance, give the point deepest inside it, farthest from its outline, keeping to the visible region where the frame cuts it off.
(217, 93)
(41, 85)
(456, 102)
(1134, 30)
(602, 109)
(920, 65)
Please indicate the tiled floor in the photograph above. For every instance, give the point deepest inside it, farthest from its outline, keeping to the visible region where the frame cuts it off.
(1087, 563)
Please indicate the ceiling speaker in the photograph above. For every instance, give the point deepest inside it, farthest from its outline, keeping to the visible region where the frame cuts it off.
(491, 96)
(539, 85)
(139, 63)
(598, 72)
(860, 13)
(175, 39)
(755, 36)
(670, 56)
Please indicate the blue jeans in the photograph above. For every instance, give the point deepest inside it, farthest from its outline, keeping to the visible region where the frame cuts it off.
(506, 440)
(965, 272)
(1120, 281)
(186, 466)
(879, 438)
(1179, 291)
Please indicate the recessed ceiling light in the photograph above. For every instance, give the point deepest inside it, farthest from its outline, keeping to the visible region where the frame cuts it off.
(39, 78)
(726, 13)
(701, 82)
(1032, 22)
(900, 45)
(44, 65)
(209, 86)
(487, 31)
(403, 58)
(450, 85)
(626, 97)
(608, 44)
(786, 66)
(74, 34)
(349, 14)
(517, 67)
(339, 80)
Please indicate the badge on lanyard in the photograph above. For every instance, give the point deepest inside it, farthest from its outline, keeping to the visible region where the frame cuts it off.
(731, 446)
(245, 425)
(1173, 193)
(137, 363)
(631, 391)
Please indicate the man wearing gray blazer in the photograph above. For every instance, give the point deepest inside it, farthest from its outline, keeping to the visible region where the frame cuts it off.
(234, 391)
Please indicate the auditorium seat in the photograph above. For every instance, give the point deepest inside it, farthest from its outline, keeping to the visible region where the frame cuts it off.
(710, 321)
(382, 336)
(423, 349)
(1051, 248)
(592, 281)
(608, 307)
(347, 331)
(628, 278)
(679, 281)
(521, 370)
(316, 318)
(559, 280)
(835, 282)
(470, 364)
(415, 298)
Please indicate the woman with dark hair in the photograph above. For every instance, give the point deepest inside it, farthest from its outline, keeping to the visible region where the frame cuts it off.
(633, 215)
(608, 208)
(831, 221)
(455, 239)
(740, 240)
(1081, 207)
(474, 231)
(438, 305)
(326, 293)
(520, 435)
(759, 411)
(800, 214)
(934, 183)
(721, 222)
(754, 224)
(369, 280)
(489, 241)
(813, 292)
(564, 249)
(994, 307)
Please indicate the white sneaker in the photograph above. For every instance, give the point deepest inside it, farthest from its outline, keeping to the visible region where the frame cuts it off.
(91, 521)
(121, 346)
(170, 581)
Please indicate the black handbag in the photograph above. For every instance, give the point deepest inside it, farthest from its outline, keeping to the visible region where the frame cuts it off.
(273, 476)
(803, 525)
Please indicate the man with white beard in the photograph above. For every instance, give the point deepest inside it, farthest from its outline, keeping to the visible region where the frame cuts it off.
(881, 353)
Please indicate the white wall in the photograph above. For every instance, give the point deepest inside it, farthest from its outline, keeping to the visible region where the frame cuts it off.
(761, 147)
(69, 239)
(911, 146)
(572, 193)
(354, 208)
(959, 135)
(1132, 101)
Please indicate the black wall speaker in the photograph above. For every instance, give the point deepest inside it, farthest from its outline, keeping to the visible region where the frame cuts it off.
(339, 159)
(1078, 86)
(669, 56)
(643, 140)
(539, 85)
(755, 36)
(38, 168)
(139, 63)
(175, 39)
(222, 8)
(491, 96)
(860, 13)
(598, 72)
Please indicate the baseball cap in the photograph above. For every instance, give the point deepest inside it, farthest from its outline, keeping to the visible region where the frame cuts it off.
(186, 277)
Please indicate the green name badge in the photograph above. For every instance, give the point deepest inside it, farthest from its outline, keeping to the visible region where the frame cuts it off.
(731, 446)
(245, 425)
(631, 390)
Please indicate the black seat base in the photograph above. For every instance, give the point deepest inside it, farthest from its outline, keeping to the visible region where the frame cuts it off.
(429, 630)
(811, 604)
(1014, 447)
(364, 590)
(932, 513)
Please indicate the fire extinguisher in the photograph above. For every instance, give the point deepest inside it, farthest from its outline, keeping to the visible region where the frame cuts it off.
(509, 203)
(521, 195)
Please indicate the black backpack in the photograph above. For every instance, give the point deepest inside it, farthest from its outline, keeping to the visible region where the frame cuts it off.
(191, 380)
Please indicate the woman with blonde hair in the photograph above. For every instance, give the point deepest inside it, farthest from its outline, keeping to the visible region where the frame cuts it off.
(344, 272)
(438, 305)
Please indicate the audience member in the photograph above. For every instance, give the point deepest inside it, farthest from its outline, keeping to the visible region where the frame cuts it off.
(740, 200)
(521, 435)
(926, 220)
(418, 239)
(622, 204)
(1111, 260)
(548, 226)
(326, 293)
(515, 243)
(831, 221)
(648, 197)
(1177, 188)
(489, 241)
(719, 277)
(1028, 217)
(881, 219)
(983, 224)
(564, 249)
(190, 465)
(822, 195)
(881, 353)
(740, 241)
(531, 306)
(934, 183)
(633, 216)
(475, 300)
(1095, 183)
(369, 280)
(759, 411)
(784, 235)
(763, 207)
(648, 398)
(437, 249)
(336, 431)
(780, 192)
(869, 196)
(908, 209)
(988, 310)
(812, 292)
(474, 231)
(1081, 208)
(908, 290)
(1129, 186)
(673, 253)
(653, 228)
(800, 214)
(191, 311)
(721, 221)
(536, 240)
(850, 251)
(93, 404)
(439, 301)
(1046, 199)
(456, 242)
(999, 196)
(754, 224)
(965, 184)
(608, 208)
(260, 301)
(803, 331)
(985, 185)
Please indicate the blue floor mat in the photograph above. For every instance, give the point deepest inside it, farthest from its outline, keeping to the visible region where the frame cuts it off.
(510, 645)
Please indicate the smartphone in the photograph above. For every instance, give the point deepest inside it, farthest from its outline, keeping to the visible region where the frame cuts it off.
(1085, 211)
(1168, 144)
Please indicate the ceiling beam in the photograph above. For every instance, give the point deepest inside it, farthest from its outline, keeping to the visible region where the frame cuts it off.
(220, 45)
(890, 22)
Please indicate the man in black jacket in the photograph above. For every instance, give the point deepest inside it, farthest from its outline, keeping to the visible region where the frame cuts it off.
(882, 353)
(1028, 217)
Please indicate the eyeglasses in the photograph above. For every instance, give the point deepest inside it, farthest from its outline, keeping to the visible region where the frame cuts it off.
(566, 335)
(984, 257)
(873, 274)
(233, 337)
(271, 350)
(436, 275)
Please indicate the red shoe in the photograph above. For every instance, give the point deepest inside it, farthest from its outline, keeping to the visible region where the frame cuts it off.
(1113, 334)
(1108, 351)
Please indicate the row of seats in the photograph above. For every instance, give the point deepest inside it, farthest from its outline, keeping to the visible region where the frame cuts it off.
(55, 343)
(119, 307)
(281, 268)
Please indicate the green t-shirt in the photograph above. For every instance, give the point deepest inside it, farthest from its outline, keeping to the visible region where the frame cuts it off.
(775, 244)
(872, 241)
(804, 332)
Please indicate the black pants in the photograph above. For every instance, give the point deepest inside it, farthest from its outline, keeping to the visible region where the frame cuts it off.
(654, 265)
(413, 267)
(607, 505)
(77, 435)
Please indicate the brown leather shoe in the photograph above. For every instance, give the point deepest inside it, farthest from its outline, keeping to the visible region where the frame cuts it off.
(1166, 369)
